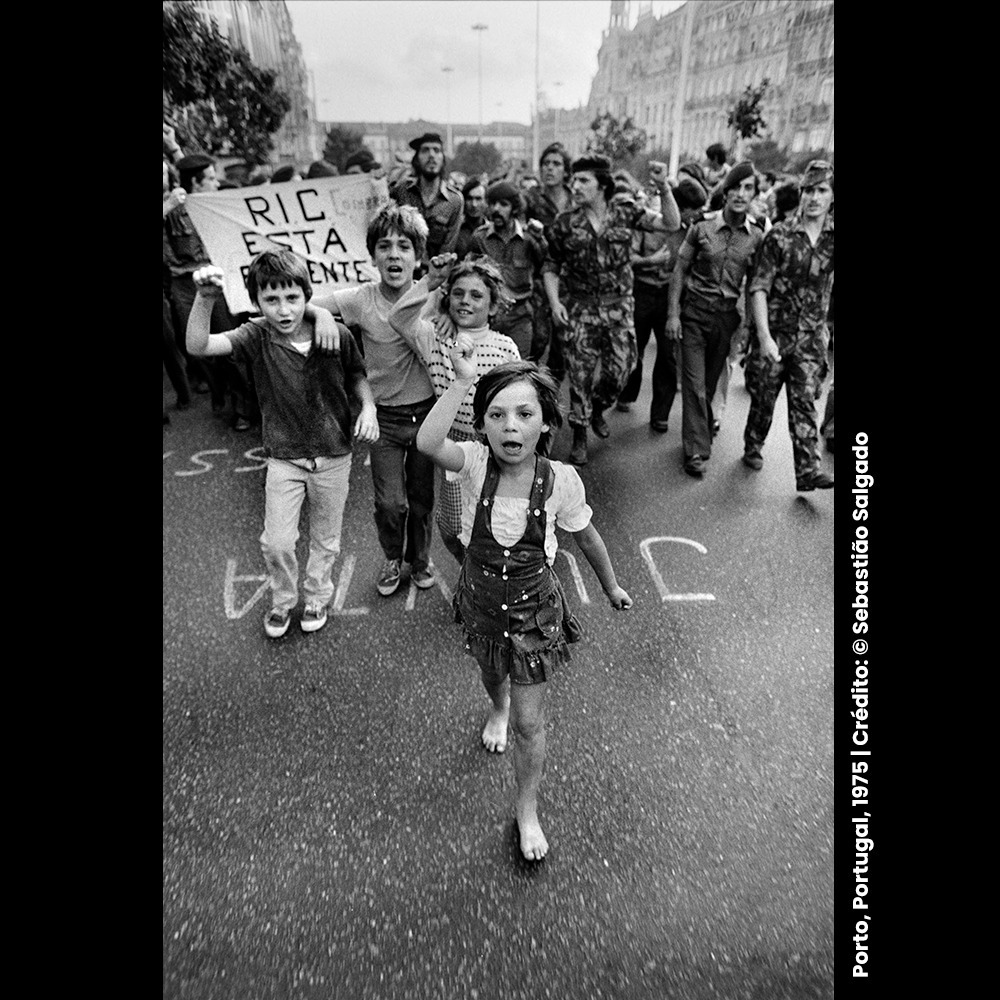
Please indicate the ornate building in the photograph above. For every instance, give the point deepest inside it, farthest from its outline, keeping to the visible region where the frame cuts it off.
(732, 44)
(264, 30)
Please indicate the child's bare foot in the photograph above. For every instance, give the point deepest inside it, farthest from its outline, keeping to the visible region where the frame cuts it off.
(534, 846)
(495, 731)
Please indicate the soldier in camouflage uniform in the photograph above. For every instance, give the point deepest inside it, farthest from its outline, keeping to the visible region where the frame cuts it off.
(790, 297)
(590, 248)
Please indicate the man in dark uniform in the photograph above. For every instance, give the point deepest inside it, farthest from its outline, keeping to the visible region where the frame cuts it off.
(519, 252)
(790, 299)
(474, 196)
(429, 193)
(717, 253)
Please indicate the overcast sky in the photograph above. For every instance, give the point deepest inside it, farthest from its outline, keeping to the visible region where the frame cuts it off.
(380, 60)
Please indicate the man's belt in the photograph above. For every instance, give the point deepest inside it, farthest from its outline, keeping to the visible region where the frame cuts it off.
(718, 303)
(610, 299)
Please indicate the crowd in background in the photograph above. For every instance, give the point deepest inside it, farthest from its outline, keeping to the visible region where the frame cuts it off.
(518, 218)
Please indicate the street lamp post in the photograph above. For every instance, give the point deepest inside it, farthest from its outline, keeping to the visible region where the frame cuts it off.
(448, 70)
(557, 84)
(479, 29)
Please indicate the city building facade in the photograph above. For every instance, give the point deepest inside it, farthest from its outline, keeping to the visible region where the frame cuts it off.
(263, 28)
(732, 45)
(387, 139)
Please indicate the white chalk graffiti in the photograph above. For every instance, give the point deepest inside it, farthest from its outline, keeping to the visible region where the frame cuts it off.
(661, 586)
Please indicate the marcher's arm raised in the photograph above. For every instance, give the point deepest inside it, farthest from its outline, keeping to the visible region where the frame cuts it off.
(200, 342)
(432, 438)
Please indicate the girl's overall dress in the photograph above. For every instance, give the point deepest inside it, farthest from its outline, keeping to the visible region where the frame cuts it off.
(509, 601)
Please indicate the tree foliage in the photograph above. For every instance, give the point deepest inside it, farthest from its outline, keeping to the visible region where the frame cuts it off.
(746, 119)
(767, 157)
(472, 158)
(218, 99)
(340, 143)
(618, 141)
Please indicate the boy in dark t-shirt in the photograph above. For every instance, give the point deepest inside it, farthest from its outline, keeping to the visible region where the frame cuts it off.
(313, 404)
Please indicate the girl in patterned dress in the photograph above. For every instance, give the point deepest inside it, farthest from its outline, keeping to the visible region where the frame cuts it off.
(509, 601)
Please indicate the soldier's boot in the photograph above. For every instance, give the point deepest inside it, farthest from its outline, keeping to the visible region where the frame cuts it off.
(578, 453)
(599, 424)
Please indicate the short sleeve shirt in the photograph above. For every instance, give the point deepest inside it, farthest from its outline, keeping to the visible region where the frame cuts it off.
(796, 276)
(396, 374)
(518, 257)
(719, 255)
(566, 508)
(305, 399)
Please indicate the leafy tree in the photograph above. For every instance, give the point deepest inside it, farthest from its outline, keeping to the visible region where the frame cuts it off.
(766, 156)
(475, 158)
(746, 119)
(618, 141)
(220, 101)
(340, 144)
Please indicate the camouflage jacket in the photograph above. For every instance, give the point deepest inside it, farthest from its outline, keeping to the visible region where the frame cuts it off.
(796, 276)
(595, 264)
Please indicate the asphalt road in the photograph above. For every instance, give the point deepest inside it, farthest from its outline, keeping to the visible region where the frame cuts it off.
(334, 829)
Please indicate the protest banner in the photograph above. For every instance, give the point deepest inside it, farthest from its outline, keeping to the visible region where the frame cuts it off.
(323, 221)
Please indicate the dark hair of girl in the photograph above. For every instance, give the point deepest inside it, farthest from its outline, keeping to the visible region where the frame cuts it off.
(546, 388)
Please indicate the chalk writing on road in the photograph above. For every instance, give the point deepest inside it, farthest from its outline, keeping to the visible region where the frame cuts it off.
(645, 548)
(255, 455)
(337, 607)
(203, 466)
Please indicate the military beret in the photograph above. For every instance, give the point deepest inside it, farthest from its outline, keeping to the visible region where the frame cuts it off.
(503, 191)
(194, 162)
(817, 171)
(415, 144)
(737, 175)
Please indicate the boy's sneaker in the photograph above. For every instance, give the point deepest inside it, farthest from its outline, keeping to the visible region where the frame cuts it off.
(276, 622)
(388, 581)
(424, 578)
(313, 618)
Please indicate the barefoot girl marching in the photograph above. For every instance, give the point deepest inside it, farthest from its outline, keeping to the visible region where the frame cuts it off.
(512, 607)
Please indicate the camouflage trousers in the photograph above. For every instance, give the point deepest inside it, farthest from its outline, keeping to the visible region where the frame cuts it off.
(599, 349)
(802, 368)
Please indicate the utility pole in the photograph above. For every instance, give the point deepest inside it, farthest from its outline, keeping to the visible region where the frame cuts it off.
(479, 29)
(537, 147)
(677, 125)
(448, 70)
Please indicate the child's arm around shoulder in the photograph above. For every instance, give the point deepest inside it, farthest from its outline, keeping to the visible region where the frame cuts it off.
(405, 317)
(324, 314)
(366, 426)
(593, 547)
(200, 341)
(432, 438)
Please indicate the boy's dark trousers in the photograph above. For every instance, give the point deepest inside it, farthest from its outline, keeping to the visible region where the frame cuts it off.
(404, 485)
(651, 304)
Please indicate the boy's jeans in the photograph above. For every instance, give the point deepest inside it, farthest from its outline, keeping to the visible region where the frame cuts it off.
(404, 485)
(325, 481)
